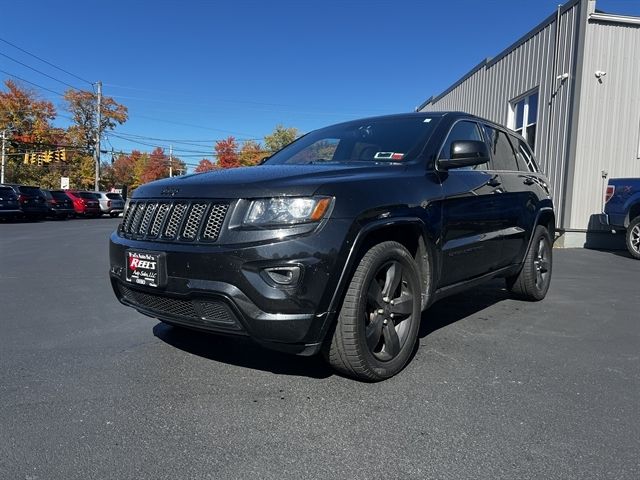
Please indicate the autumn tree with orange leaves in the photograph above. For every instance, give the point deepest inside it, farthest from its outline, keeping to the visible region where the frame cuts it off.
(227, 153)
(205, 165)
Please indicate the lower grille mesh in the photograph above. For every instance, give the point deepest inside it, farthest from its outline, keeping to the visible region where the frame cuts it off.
(197, 311)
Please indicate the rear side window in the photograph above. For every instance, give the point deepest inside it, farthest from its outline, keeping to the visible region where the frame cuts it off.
(526, 161)
(114, 196)
(33, 191)
(7, 192)
(464, 130)
(88, 195)
(504, 157)
(59, 195)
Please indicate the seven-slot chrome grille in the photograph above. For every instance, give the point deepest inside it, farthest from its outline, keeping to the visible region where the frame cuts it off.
(176, 220)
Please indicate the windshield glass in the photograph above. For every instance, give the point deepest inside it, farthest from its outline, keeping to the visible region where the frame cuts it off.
(395, 139)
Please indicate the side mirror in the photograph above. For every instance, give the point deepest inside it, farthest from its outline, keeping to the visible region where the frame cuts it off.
(465, 153)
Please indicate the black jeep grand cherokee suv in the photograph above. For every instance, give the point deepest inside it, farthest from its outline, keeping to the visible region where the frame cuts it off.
(338, 242)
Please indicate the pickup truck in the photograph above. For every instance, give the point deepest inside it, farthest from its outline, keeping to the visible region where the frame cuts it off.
(622, 207)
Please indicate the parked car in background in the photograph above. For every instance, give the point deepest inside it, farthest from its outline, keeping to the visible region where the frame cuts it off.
(59, 204)
(31, 201)
(9, 207)
(622, 208)
(339, 241)
(111, 204)
(84, 203)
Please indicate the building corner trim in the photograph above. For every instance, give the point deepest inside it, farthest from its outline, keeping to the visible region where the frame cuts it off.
(574, 108)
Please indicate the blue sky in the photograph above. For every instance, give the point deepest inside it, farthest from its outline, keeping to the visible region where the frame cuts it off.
(202, 70)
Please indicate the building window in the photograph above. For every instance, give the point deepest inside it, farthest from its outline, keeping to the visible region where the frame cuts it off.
(523, 118)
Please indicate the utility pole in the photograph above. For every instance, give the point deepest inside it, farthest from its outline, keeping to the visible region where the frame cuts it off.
(96, 153)
(170, 160)
(4, 138)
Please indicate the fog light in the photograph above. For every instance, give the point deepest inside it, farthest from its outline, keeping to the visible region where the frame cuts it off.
(288, 275)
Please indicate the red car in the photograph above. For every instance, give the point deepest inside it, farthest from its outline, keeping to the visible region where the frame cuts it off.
(84, 203)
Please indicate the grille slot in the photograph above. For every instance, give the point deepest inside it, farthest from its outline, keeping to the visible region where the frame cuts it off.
(174, 220)
(194, 220)
(128, 216)
(198, 221)
(146, 219)
(159, 220)
(137, 217)
(214, 222)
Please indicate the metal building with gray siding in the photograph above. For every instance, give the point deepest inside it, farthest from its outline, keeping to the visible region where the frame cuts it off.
(571, 87)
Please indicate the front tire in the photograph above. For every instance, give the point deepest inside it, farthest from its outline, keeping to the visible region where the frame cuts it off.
(633, 238)
(378, 323)
(532, 283)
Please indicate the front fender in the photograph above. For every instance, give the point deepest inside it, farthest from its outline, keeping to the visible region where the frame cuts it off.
(355, 248)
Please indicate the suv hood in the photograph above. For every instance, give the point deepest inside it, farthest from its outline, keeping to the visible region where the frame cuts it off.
(263, 181)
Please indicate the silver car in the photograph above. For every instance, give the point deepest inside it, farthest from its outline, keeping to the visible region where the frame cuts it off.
(110, 203)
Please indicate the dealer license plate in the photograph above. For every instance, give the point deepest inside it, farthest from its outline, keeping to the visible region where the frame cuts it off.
(144, 268)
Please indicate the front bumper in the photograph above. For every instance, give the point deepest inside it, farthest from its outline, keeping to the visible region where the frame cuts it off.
(223, 288)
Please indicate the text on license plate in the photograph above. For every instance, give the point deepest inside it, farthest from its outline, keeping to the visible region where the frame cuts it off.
(142, 268)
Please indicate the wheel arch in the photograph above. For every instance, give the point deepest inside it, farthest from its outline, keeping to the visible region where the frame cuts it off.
(410, 232)
(634, 211)
(547, 218)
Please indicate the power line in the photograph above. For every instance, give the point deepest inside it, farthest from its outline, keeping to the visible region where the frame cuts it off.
(194, 126)
(195, 143)
(38, 71)
(45, 61)
(147, 144)
(31, 83)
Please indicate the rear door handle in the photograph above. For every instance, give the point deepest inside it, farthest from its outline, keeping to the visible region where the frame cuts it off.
(528, 181)
(494, 182)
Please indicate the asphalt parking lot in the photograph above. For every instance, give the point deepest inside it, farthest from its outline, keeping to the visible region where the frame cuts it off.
(498, 388)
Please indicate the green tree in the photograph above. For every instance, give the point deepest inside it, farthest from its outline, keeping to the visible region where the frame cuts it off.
(280, 138)
(82, 106)
(251, 153)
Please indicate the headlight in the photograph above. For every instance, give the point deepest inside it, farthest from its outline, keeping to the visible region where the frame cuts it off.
(287, 210)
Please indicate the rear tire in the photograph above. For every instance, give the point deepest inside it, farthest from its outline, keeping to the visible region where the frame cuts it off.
(633, 238)
(378, 323)
(532, 283)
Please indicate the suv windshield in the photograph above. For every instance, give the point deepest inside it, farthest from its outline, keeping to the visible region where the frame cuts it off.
(376, 140)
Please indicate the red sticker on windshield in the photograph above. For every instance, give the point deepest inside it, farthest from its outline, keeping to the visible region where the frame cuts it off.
(388, 156)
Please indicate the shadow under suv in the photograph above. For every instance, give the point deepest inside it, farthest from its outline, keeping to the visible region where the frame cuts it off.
(339, 241)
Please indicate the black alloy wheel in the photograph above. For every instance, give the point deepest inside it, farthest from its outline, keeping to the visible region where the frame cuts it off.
(378, 324)
(542, 263)
(389, 309)
(533, 280)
